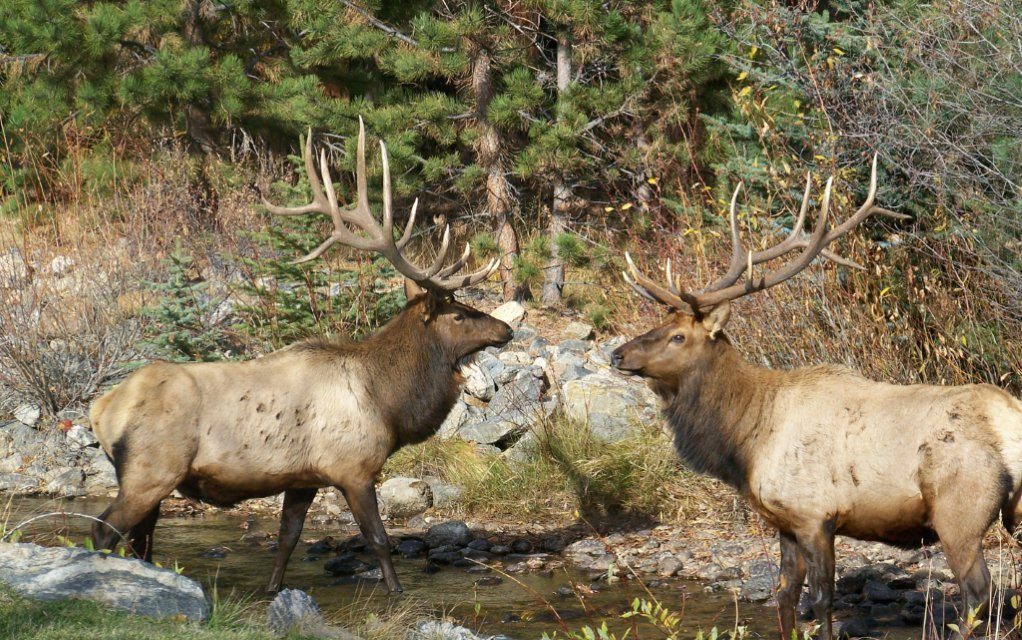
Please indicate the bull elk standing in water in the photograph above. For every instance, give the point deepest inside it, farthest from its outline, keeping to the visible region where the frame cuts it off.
(316, 414)
(820, 451)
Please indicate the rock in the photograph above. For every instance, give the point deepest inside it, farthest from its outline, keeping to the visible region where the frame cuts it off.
(27, 414)
(411, 548)
(854, 580)
(443, 630)
(586, 547)
(65, 483)
(578, 346)
(18, 483)
(294, 613)
(457, 417)
(612, 406)
(498, 430)
(13, 268)
(524, 449)
(879, 592)
(854, 628)
(668, 566)
(576, 330)
(121, 583)
(494, 367)
(81, 437)
(453, 532)
(444, 495)
(521, 394)
(478, 382)
(406, 497)
(346, 565)
(60, 264)
(758, 585)
(510, 312)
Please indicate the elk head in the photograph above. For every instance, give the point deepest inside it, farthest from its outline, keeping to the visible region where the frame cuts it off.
(694, 331)
(430, 290)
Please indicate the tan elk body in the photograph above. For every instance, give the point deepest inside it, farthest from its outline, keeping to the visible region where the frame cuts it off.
(316, 414)
(820, 451)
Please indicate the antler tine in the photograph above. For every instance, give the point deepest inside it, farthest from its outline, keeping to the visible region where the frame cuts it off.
(365, 233)
(456, 266)
(812, 246)
(736, 267)
(659, 293)
(407, 235)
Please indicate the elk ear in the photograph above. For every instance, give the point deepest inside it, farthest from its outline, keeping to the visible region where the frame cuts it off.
(715, 319)
(432, 305)
(412, 290)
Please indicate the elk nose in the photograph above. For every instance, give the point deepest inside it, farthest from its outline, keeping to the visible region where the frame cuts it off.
(615, 359)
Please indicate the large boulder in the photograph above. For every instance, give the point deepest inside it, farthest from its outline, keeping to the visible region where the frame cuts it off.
(613, 406)
(444, 630)
(406, 497)
(56, 573)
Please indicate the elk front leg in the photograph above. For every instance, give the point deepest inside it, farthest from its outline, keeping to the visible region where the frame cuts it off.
(818, 550)
(362, 501)
(793, 575)
(292, 519)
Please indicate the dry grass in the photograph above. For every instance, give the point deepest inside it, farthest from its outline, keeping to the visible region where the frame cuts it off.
(572, 474)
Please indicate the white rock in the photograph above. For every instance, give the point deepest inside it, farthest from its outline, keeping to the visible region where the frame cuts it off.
(27, 413)
(576, 331)
(406, 497)
(510, 312)
(81, 436)
(60, 264)
(478, 382)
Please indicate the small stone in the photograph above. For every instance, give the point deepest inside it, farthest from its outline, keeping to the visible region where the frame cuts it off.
(500, 550)
(323, 546)
(564, 592)
(521, 546)
(668, 566)
(215, 553)
(854, 628)
(411, 548)
(510, 312)
(27, 414)
(406, 497)
(255, 538)
(346, 565)
(576, 331)
(489, 581)
(454, 532)
(879, 592)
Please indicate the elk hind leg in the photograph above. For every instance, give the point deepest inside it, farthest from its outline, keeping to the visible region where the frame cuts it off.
(292, 520)
(361, 499)
(793, 575)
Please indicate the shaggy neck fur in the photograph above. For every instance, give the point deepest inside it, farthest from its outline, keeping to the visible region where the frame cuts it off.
(413, 376)
(717, 411)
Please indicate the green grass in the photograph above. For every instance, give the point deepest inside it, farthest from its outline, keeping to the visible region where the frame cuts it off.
(26, 619)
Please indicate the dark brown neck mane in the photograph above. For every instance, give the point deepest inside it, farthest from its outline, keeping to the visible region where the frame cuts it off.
(412, 376)
(716, 412)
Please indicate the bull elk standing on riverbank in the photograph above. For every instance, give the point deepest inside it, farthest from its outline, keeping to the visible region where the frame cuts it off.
(820, 451)
(315, 414)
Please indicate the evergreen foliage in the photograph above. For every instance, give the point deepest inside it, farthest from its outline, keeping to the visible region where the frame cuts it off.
(184, 323)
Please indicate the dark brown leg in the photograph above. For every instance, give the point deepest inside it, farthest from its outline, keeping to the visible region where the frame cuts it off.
(793, 575)
(362, 501)
(124, 515)
(818, 550)
(292, 519)
(141, 535)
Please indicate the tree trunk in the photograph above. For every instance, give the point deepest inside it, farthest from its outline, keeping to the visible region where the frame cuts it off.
(499, 198)
(197, 122)
(553, 273)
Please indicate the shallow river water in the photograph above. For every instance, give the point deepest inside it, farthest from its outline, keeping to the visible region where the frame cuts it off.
(521, 610)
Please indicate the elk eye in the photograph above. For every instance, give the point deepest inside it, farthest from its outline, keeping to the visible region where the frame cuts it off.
(678, 338)
(458, 317)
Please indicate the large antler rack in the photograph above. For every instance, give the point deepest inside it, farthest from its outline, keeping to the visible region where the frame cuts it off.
(356, 226)
(728, 287)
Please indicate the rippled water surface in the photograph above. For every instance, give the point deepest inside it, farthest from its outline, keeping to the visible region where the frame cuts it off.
(524, 610)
